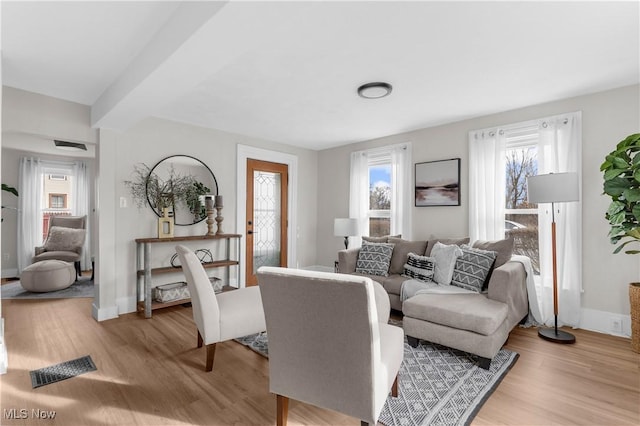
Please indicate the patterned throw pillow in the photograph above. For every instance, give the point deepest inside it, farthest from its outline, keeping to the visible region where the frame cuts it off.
(472, 268)
(445, 256)
(374, 258)
(419, 268)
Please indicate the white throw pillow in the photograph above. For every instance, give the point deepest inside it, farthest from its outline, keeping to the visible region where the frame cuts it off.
(446, 257)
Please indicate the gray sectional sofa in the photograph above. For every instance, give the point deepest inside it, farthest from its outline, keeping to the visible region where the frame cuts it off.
(476, 323)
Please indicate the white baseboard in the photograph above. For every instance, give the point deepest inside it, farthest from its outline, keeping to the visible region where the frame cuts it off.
(103, 314)
(601, 321)
(9, 273)
(126, 305)
(4, 358)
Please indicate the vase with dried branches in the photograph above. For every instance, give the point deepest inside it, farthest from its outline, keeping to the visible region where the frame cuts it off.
(160, 193)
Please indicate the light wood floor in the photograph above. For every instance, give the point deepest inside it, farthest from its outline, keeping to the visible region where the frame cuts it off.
(151, 373)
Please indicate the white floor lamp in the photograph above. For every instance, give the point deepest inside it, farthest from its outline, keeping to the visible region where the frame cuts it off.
(554, 188)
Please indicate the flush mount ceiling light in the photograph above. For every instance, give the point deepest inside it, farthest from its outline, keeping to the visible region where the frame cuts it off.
(70, 146)
(374, 90)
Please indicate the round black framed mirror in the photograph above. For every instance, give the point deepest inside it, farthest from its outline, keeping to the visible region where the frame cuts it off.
(178, 183)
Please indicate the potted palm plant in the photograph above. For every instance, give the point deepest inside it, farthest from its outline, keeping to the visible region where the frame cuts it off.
(622, 183)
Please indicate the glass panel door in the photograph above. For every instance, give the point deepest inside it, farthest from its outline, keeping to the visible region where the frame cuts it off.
(266, 216)
(266, 219)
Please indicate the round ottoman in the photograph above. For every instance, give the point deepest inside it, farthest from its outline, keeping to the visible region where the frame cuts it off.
(48, 275)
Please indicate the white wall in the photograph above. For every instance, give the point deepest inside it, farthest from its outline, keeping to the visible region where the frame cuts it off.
(607, 117)
(154, 139)
(32, 114)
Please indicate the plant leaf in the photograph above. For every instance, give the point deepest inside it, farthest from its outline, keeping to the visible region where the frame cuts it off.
(636, 212)
(10, 189)
(616, 186)
(612, 173)
(632, 195)
(634, 233)
(615, 207)
(617, 219)
(620, 163)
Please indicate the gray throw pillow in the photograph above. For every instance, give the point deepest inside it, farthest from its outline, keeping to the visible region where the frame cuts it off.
(419, 268)
(504, 249)
(374, 259)
(64, 239)
(384, 239)
(446, 241)
(472, 268)
(401, 252)
(445, 256)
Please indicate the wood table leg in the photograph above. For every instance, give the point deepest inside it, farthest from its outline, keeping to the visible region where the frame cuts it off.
(282, 403)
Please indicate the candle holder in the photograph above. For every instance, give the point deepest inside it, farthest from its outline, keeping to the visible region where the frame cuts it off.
(208, 205)
(219, 218)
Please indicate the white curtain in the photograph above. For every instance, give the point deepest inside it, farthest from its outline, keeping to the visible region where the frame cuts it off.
(30, 206)
(487, 182)
(400, 158)
(81, 207)
(560, 150)
(401, 194)
(359, 193)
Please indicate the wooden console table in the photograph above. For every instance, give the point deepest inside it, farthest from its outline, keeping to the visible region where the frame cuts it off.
(145, 272)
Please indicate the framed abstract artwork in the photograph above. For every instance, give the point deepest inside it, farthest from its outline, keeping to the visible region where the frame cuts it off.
(437, 183)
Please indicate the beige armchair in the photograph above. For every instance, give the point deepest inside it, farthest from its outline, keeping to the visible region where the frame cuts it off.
(220, 317)
(326, 345)
(65, 240)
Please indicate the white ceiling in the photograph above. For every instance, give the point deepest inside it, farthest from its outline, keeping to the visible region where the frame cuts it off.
(288, 71)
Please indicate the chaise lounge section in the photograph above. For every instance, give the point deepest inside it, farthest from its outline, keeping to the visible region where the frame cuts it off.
(477, 323)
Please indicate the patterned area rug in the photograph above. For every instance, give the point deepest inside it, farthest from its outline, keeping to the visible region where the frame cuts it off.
(62, 371)
(82, 288)
(443, 386)
(437, 385)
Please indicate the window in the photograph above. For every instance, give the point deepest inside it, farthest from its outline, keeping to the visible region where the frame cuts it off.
(57, 201)
(57, 193)
(381, 190)
(500, 159)
(521, 218)
(57, 177)
(380, 197)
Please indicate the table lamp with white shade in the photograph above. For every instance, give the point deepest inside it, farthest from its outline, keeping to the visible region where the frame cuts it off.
(554, 188)
(345, 227)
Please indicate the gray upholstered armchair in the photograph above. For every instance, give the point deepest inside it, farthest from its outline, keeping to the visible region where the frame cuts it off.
(327, 346)
(65, 240)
